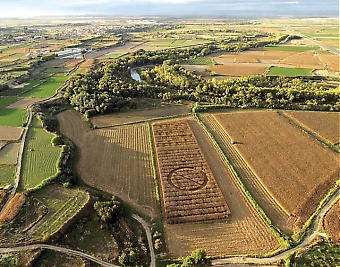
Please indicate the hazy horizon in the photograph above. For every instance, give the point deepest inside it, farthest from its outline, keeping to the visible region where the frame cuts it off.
(221, 8)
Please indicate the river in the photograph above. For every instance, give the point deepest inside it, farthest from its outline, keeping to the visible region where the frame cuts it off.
(135, 76)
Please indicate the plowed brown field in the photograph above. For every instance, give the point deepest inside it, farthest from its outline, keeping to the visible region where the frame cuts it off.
(304, 60)
(295, 169)
(325, 124)
(116, 160)
(238, 69)
(332, 61)
(189, 189)
(332, 223)
(244, 232)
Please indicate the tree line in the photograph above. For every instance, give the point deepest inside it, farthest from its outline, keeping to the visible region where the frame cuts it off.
(111, 88)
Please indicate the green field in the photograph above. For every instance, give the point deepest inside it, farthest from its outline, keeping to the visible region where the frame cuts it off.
(9, 154)
(13, 117)
(7, 173)
(39, 158)
(62, 204)
(200, 61)
(292, 48)
(6, 101)
(113, 55)
(47, 89)
(289, 72)
(19, 91)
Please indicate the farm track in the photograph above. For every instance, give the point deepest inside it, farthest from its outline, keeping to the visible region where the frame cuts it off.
(278, 216)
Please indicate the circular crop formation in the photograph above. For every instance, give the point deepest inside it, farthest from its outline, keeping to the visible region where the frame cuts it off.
(187, 178)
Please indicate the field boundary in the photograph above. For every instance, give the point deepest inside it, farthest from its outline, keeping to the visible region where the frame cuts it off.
(309, 131)
(140, 121)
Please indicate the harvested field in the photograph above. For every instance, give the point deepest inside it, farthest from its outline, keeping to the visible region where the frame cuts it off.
(13, 208)
(190, 192)
(325, 124)
(332, 223)
(116, 160)
(72, 63)
(252, 56)
(277, 215)
(297, 178)
(139, 115)
(24, 103)
(243, 233)
(239, 69)
(306, 60)
(10, 133)
(332, 61)
(9, 154)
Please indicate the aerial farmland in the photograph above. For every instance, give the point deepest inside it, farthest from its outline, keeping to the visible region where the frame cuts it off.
(224, 149)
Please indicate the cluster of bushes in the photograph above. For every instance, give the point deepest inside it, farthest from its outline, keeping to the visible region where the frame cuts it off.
(198, 258)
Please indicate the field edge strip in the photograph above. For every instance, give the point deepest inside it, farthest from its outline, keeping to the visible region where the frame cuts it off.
(308, 131)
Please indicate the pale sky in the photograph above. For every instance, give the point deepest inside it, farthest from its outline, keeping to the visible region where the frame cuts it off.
(243, 8)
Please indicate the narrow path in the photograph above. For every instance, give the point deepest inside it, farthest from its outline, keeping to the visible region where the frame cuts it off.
(149, 237)
(58, 249)
(308, 239)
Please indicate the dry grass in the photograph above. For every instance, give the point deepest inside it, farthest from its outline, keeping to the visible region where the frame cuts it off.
(116, 160)
(332, 223)
(13, 208)
(189, 189)
(10, 133)
(325, 124)
(292, 166)
(139, 115)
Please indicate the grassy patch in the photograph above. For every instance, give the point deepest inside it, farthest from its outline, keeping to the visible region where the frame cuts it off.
(96, 237)
(9, 154)
(20, 90)
(63, 204)
(292, 48)
(6, 101)
(48, 89)
(39, 157)
(7, 173)
(13, 117)
(289, 72)
(113, 55)
(53, 258)
(200, 61)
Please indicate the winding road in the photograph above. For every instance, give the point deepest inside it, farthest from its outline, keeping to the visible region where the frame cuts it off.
(306, 241)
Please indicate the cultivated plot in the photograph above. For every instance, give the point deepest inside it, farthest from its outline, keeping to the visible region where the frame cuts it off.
(10, 133)
(244, 231)
(295, 169)
(332, 223)
(116, 160)
(325, 124)
(189, 190)
(39, 160)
